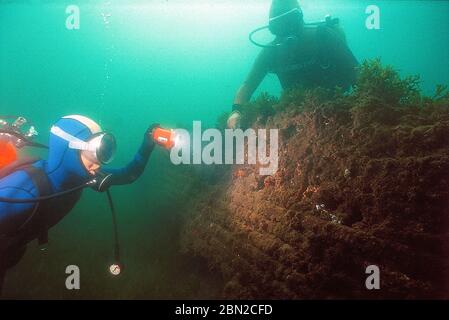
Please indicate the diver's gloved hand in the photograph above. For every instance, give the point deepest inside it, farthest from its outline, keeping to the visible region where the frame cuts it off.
(148, 138)
(235, 117)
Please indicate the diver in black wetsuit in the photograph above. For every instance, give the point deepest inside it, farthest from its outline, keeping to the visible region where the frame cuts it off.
(78, 149)
(309, 55)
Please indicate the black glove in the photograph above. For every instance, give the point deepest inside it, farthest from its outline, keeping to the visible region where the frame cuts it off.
(148, 138)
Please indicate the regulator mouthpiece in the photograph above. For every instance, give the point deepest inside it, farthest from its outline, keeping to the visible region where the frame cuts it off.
(167, 138)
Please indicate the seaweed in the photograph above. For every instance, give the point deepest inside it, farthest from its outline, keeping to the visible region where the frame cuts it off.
(378, 87)
(441, 93)
(259, 110)
(362, 180)
(385, 84)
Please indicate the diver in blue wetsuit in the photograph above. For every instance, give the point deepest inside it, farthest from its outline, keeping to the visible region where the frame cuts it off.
(77, 150)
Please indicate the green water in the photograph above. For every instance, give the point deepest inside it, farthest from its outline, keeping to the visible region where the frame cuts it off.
(133, 63)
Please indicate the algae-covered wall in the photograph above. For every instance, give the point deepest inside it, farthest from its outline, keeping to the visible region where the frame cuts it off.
(362, 180)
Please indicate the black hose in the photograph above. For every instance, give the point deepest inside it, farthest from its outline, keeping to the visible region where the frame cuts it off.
(116, 238)
(309, 24)
(55, 195)
(255, 42)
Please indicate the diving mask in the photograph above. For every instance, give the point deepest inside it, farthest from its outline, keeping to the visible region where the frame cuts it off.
(286, 23)
(100, 148)
(285, 26)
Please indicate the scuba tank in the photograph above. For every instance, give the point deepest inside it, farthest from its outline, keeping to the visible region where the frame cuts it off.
(13, 136)
(8, 153)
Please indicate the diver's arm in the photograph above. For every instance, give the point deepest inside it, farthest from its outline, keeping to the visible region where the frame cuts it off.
(130, 173)
(254, 78)
(246, 90)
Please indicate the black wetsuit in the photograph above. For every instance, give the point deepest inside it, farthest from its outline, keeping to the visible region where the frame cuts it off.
(324, 59)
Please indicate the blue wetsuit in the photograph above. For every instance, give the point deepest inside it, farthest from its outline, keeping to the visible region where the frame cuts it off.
(64, 170)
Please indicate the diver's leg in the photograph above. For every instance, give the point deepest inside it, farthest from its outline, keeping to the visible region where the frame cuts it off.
(7, 261)
(2, 279)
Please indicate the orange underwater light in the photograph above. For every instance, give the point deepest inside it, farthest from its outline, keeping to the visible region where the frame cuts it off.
(164, 137)
(8, 153)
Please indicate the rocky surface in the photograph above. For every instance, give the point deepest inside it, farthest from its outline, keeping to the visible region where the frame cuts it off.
(363, 180)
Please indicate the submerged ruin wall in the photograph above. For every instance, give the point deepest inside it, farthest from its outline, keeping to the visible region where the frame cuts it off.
(363, 180)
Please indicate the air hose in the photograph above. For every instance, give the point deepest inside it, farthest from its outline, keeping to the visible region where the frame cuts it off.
(49, 197)
(329, 21)
(116, 267)
(251, 34)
